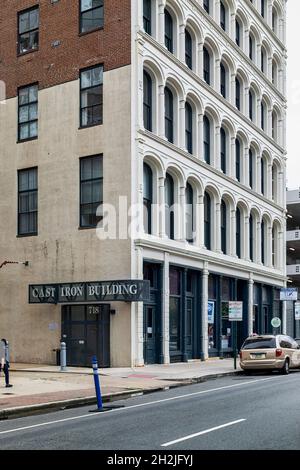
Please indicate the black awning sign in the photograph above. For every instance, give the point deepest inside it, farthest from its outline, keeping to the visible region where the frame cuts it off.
(103, 291)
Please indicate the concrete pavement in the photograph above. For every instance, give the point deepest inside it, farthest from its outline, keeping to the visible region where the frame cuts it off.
(38, 388)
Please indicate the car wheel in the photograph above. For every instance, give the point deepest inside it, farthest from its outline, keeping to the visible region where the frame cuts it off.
(286, 367)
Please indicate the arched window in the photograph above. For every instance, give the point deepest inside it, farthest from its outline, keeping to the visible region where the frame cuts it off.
(148, 198)
(263, 115)
(237, 94)
(169, 115)
(147, 16)
(262, 176)
(251, 106)
(206, 65)
(263, 8)
(207, 221)
(189, 198)
(147, 102)
(223, 150)
(223, 227)
(206, 139)
(169, 203)
(251, 47)
(238, 159)
(206, 6)
(250, 168)
(188, 50)
(238, 233)
(237, 33)
(263, 65)
(274, 73)
(223, 16)
(169, 31)
(251, 238)
(263, 242)
(275, 21)
(223, 80)
(274, 178)
(189, 127)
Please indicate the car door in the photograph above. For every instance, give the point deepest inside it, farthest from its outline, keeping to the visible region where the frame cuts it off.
(296, 352)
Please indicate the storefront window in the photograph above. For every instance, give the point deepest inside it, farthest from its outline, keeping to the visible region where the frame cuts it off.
(226, 342)
(175, 293)
(212, 330)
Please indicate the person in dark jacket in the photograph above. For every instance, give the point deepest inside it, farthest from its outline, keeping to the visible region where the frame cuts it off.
(4, 360)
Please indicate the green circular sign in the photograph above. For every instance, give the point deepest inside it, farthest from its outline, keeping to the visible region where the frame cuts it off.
(276, 322)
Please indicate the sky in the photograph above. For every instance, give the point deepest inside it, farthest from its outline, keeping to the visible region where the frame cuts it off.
(293, 88)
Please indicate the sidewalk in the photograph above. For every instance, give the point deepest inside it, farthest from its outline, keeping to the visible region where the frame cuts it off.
(38, 388)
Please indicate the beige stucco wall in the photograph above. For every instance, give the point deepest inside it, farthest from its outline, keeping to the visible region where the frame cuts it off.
(61, 252)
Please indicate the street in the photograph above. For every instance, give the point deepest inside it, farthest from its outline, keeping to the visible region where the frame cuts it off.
(239, 412)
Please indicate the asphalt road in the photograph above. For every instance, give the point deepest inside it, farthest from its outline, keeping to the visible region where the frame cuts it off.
(257, 412)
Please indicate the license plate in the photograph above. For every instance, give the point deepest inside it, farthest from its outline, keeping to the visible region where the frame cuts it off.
(258, 356)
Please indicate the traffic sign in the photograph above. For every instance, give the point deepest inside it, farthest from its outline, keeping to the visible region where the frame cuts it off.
(289, 294)
(276, 322)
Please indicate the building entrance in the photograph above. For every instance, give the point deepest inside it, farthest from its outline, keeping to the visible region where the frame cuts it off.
(86, 332)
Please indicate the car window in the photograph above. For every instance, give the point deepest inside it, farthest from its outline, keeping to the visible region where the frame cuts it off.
(259, 343)
(286, 342)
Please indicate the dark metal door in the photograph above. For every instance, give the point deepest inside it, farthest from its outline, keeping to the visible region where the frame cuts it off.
(189, 328)
(86, 332)
(149, 334)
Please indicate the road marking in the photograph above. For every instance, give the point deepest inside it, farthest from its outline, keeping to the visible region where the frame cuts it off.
(191, 436)
(188, 395)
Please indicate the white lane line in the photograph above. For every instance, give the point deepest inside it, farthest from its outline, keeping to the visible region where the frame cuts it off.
(191, 436)
(202, 392)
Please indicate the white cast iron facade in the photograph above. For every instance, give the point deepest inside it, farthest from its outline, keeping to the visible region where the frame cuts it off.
(220, 52)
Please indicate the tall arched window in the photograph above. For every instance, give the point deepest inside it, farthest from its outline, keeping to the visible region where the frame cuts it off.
(206, 5)
(207, 221)
(251, 238)
(263, 242)
(263, 8)
(223, 150)
(223, 227)
(237, 94)
(147, 16)
(238, 233)
(169, 115)
(250, 168)
(251, 47)
(223, 80)
(251, 105)
(147, 102)
(148, 198)
(274, 73)
(206, 139)
(263, 115)
(189, 198)
(188, 50)
(206, 65)
(238, 159)
(169, 42)
(263, 65)
(169, 203)
(189, 127)
(237, 33)
(262, 176)
(222, 16)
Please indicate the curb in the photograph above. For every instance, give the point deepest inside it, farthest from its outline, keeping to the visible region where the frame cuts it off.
(41, 408)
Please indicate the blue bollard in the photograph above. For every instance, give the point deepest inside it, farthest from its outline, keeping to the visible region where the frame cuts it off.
(97, 383)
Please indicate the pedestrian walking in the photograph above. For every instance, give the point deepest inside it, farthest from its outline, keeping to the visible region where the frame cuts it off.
(4, 361)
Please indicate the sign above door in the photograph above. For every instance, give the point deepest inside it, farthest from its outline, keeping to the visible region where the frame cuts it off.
(102, 291)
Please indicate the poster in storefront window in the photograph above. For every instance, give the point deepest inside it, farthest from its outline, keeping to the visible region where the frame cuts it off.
(297, 310)
(211, 312)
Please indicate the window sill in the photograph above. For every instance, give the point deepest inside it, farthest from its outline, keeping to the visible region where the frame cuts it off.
(87, 228)
(92, 125)
(27, 140)
(27, 235)
(94, 30)
(22, 54)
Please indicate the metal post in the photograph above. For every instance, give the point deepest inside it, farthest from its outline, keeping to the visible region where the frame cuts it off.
(63, 357)
(97, 383)
(234, 327)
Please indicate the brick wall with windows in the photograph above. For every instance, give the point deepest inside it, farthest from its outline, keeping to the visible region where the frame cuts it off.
(62, 49)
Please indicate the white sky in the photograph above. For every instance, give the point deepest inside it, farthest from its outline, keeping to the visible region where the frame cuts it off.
(293, 88)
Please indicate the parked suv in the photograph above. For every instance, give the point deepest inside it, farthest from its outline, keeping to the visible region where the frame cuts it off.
(270, 352)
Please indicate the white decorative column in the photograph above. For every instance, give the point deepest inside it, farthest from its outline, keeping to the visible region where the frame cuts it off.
(199, 69)
(216, 12)
(140, 71)
(247, 238)
(204, 313)
(139, 314)
(200, 221)
(217, 77)
(257, 257)
(181, 125)
(250, 304)
(269, 181)
(284, 322)
(182, 215)
(258, 174)
(200, 153)
(269, 123)
(232, 157)
(161, 112)
(246, 166)
(161, 22)
(246, 42)
(268, 247)
(162, 217)
(181, 51)
(217, 228)
(216, 154)
(166, 311)
(232, 93)
(258, 112)
(246, 101)
(232, 234)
